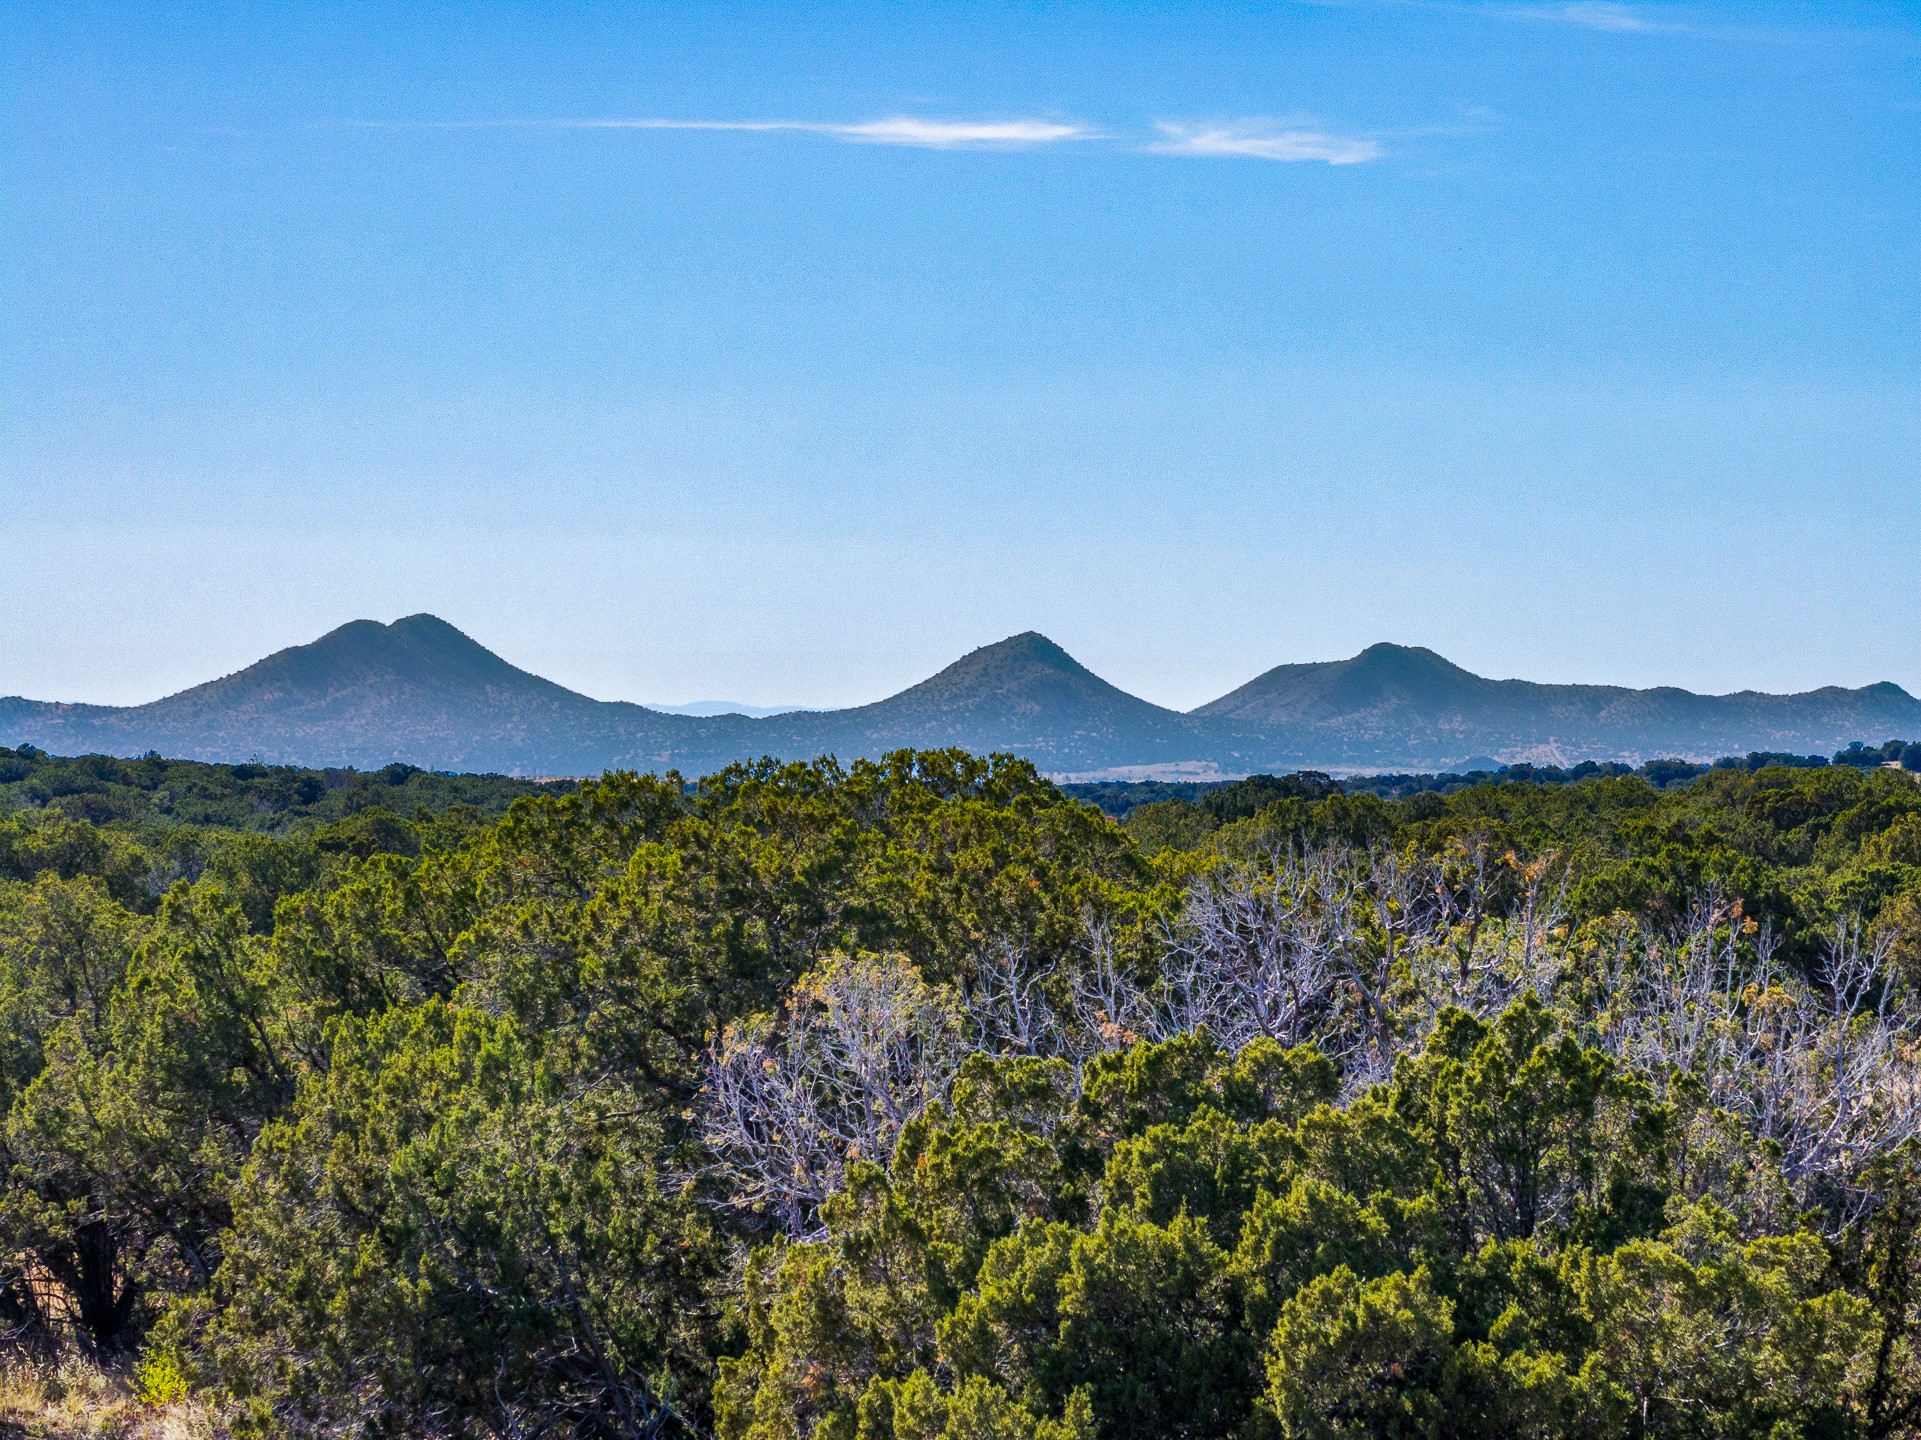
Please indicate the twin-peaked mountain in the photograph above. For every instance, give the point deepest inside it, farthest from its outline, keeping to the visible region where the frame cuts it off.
(422, 692)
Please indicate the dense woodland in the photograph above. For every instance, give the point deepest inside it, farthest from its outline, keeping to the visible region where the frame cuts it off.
(919, 1099)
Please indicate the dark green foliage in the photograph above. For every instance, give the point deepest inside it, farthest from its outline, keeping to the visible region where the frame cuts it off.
(1224, 800)
(1425, 1263)
(273, 798)
(457, 1219)
(377, 1102)
(1801, 845)
(1893, 752)
(124, 1144)
(1247, 797)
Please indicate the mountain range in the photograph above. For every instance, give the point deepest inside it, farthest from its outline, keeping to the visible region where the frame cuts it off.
(421, 692)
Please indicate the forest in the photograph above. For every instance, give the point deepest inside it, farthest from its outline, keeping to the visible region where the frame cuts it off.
(921, 1099)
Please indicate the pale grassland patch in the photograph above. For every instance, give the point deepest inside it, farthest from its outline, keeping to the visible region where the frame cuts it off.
(77, 1399)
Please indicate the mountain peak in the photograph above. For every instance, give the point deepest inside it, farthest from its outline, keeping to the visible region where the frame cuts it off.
(430, 629)
(1030, 647)
(353, 633)
(417, 632)
(415, 649)
(1021, 664)
(418, 689)
(1032, 695)
(1382, 675)
(1386, 650)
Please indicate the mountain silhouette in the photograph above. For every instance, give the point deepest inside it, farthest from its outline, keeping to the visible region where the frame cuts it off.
(369, 694)
(420, 691)
(1407, 706)
(1024, 694)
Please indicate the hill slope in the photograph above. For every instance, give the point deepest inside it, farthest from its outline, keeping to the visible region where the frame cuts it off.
(1024, 694)
(367, 694)
(419, 690)
(1400, 705)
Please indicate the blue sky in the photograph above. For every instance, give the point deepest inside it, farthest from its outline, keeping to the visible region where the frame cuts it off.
(786, 353)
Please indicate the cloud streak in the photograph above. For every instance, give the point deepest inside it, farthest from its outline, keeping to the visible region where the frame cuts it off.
(1605, 15)
(1593, 15)
(1258, 140)
(908, 130)
(947, 134)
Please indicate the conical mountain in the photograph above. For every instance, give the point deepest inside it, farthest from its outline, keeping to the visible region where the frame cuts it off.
(420, 691)
(364, 667)
(1376, 682)
(368, 694)
(1025, 681)
(1024, 694)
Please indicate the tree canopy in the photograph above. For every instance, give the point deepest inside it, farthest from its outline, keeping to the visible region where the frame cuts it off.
(916, 1098)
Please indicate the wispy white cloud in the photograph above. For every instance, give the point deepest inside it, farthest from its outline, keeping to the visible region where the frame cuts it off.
(893, 130)
(1594, 15)
(1262, 140)
(948, 134)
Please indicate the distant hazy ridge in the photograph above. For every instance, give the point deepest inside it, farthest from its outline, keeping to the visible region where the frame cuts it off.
(420, 691)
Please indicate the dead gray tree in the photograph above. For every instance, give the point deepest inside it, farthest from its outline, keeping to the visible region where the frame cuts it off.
(1825, 1068)
(864, 1045)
